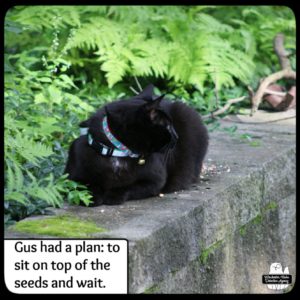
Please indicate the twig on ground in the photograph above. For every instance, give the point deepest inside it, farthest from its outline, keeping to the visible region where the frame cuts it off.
(224, 108)
(282, 94)
(136, 92)
(137, 83)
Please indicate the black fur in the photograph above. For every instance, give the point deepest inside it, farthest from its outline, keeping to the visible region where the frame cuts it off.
(141, 124)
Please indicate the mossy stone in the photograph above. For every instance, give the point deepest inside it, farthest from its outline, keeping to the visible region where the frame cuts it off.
(60, 226)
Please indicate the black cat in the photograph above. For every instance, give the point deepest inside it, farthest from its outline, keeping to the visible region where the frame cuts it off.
(138, 148)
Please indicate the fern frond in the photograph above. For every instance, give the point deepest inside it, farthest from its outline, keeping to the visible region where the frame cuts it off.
(114, 65)
(74, 100)
(210, 24)
(45, 127)
(27, 148)
(226, 64)
(249, 42)
(15, 185)
(150, 57)
(180, 62)
(131, 14)
(49, 194)
(97, 33)
(18, 190)
(10, 178)
(58, 16)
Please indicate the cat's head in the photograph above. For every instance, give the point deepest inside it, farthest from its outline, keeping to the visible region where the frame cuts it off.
(142, 123)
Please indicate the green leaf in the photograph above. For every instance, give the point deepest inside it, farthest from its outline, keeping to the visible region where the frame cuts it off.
(13, 26)
(55, 94)
(17, 196)
(40, 98)
(115, 70)
(7, 65)
(44, 79)
(68, 80)
(255, 143)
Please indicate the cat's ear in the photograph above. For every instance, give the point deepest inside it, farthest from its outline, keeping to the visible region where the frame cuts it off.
(155, 114)
(154, 104)
(147, 93)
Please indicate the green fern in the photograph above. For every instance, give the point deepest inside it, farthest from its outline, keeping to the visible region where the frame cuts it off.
(150, 57)
(182, 43)
(208, 23)
(184, 60)
(60, 16)
(15, 184)
(115, 65)
(21, 150)
(26, 148)
(49, 193)
(17, 190)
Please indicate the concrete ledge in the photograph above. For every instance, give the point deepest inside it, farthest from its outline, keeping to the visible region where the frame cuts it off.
(222, 235)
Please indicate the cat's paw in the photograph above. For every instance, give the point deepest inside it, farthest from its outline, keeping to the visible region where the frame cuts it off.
(96, 203)
(115, 197)
(97, 200)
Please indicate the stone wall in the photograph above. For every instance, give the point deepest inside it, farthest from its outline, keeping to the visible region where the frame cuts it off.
(221, 235)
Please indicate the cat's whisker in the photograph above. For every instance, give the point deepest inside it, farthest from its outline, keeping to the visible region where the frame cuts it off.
(167, 154)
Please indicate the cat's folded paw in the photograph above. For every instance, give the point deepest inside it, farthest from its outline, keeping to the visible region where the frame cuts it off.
(113, 202)
(115, 198)
(96, 201)
(95, 204)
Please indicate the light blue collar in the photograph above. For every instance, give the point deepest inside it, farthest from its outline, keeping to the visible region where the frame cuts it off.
(120, 149)
(112, 138)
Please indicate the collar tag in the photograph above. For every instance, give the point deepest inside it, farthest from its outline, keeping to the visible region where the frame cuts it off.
(141, 161)
(84, 130)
